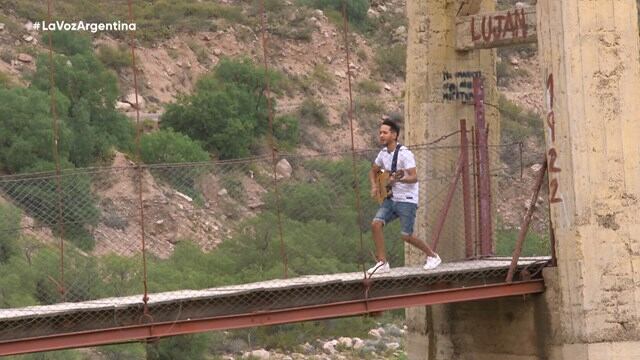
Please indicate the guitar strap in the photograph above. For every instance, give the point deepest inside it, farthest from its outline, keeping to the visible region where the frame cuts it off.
(394, 162)
(394, 166)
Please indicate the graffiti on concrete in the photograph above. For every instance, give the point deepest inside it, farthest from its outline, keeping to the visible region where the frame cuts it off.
(497, 27)
(552, 153)
(458, 85)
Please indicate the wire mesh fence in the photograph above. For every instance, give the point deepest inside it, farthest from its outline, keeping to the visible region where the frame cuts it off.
(216, 238)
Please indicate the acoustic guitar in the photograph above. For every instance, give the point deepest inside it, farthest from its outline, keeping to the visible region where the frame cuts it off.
(383, 183)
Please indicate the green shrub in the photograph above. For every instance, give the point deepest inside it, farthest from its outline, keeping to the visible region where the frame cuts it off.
(166, 146)
(124, 351)
(362, 54)
(290, 23)
(314, 112)
(534, 244)
(26, 126)
(391, 61)
(227, 111)
(114, 57)
(321, 76)
(95, 126)
(69, 42)
(233, 183)
(518, 123)
(162, 19)
(270, 6)
(5, 80)
(368, 105)
(356, 9)
(368, 87)
(286, 130)
(199, 51)
(6, 55)
(9, 231)
(179, 347)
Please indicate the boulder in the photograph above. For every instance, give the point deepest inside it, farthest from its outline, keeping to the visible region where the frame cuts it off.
(131, 99)
(392, 346)
(261, 354)
(375, 333)
(123, 106)
(346, 342)
(25, 58)
(372, 13)
(330, 347)
(283, 169)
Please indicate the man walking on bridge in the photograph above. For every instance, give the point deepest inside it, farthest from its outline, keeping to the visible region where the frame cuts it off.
(402, 202)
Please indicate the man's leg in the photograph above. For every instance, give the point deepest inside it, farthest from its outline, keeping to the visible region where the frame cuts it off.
(378, 239)
(411, 239)
(407, 214)
(383, 216)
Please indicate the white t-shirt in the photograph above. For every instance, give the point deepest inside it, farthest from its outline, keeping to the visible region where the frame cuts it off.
(401, 191)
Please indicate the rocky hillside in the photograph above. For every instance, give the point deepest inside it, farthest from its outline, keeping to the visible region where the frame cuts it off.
(304, 44)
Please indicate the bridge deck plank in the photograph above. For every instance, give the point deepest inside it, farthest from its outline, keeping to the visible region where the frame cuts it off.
(447, 268)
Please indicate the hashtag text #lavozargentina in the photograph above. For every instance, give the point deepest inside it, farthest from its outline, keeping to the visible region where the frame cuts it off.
(87, 26)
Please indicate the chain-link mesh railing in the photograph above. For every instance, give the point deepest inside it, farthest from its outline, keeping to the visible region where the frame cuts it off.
(214, 226)
(514, 177)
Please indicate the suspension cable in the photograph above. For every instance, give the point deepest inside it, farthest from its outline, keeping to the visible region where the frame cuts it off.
(356, 179)
(56, 157)
(272, 142)
(145, 297)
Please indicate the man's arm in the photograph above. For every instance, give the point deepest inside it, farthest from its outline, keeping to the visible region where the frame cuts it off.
(372, 178)
(410, 176)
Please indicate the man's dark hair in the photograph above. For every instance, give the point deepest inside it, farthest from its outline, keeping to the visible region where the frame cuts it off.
(392, 124)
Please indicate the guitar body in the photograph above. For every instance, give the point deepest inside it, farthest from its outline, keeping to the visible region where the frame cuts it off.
(383, 178)
(384, 188)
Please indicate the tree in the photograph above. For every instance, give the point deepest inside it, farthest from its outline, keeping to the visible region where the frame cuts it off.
(69, 42)
(92, 91)
(227, 112)
(9, 231)
(166, 146)
(27, 129)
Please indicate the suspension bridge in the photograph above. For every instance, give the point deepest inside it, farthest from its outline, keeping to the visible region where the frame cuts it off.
(135, 212)
(79, 316)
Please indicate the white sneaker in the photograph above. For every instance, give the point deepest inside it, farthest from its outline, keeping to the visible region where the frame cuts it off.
(380, 267)
(432, 262)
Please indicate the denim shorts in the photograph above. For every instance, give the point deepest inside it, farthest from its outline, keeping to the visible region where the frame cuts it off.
(405, 211)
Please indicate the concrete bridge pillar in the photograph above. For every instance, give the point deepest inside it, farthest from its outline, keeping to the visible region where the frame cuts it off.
(590, 65)
(438, 95)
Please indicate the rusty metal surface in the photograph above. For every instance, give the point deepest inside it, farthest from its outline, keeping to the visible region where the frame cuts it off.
(263, 303)
(261, 297)
(484, 180)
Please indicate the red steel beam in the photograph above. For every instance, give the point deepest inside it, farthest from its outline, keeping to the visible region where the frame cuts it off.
(524, 226)
(447, 205)
(333, 310)
(484, 176)
(466, 190)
